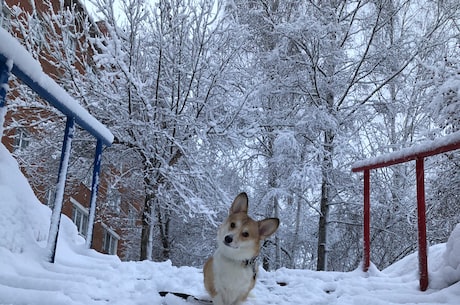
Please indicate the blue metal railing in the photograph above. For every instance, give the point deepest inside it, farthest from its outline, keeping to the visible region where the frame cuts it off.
(87, 122)
(4, 74)
(12, 56)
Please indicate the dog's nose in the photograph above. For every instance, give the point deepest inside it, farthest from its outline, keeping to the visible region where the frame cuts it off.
(228, 239)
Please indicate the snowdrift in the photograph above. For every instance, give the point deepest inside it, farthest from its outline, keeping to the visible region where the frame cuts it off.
(83, 276)
(24, 221)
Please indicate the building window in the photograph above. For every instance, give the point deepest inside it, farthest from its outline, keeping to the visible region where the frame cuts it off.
(132, 216)
(80, 217)
(110, 241)
(21, 139)
(114, 199)
(87, 181)
(50, 197)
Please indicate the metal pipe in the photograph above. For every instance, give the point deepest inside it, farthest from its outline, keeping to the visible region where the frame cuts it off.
(421, 213)
(367, 222)
(60, 186)
(94, 191)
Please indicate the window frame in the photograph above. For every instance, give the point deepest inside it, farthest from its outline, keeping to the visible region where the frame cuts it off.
(21, 139)
(110, 241)
(80, 216)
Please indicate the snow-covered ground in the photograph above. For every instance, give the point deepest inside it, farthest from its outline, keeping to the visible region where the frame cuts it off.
(82, 276)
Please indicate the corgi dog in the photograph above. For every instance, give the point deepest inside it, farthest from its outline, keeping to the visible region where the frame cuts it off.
(230, 274)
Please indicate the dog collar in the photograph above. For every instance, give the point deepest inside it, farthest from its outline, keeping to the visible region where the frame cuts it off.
(251, 263)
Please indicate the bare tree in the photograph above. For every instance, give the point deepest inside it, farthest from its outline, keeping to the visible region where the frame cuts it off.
(169, 63)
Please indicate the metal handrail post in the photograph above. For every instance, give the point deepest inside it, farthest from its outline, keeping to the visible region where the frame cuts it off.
(60, 186)
(367, 222)
(4, 76)
(94, 190)
(421, 219)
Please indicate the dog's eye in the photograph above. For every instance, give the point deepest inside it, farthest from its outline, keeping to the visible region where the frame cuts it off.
(232, 225)
(245, 234)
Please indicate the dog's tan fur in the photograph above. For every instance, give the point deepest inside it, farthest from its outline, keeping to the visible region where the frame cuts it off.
(230, 274)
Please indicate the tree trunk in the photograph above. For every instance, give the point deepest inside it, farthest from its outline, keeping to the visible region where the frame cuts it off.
(265, 261)
(163, 224)
(272, 185)
(146, 220)
(150, 242)
(147, 216)
(295, 240)
(327, 165)
(325, 192)
(277, 239)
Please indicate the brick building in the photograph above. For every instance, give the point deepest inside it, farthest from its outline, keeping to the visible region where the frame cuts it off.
(118, 214)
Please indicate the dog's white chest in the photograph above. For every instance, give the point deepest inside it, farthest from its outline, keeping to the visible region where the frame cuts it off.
(232, 279)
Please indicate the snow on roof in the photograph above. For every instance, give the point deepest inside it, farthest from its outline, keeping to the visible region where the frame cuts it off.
(424, 149)
(26, 68)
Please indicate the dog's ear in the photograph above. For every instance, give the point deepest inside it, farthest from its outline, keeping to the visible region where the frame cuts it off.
(267, 227)
(240, 204)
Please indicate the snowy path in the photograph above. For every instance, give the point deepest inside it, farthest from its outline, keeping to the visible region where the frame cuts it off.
(85, 277)
(90, 281)
(99, 279)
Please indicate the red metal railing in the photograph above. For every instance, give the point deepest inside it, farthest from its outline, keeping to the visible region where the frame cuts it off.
(418, 153)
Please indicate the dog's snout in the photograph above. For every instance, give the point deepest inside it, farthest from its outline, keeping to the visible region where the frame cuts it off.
(228, 239)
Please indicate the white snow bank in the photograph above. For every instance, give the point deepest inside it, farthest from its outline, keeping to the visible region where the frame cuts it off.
(448, 272)
(85, 277)
(24, 221)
